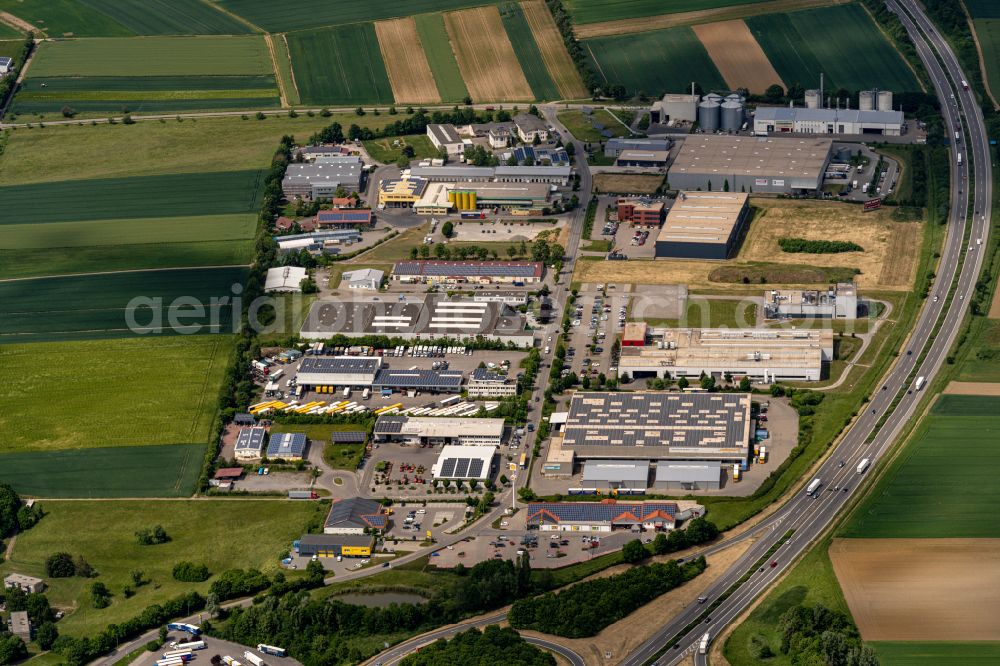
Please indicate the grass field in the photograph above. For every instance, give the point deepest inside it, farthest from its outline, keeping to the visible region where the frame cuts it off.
(440, 57)
(926, 653)
(8, 32)
(125, 198)
(153, 56)
(789, 40)
(75, 396)
(981, 362)
(916, 499)
(99, 305)
(711, 313)
(596, 11)
(283, 69)
(405, 61)
(124, 471)
(394, 250)
(982, 8)
(617, 183)
(170, 147)
(338, 456)
(314, 13)
(579, 125)
(383, 151)
(169, 17)
(654, 62)
(68, 18)
(485, 55)
(339, 66)
(988, 36)
(528, 53)
(256, 533)
(550, 43)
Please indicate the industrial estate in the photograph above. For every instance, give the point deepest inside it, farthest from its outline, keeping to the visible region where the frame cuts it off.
(525, 331)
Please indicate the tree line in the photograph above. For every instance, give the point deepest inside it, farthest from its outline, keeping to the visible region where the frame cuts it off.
(816, 635)
(817, 246)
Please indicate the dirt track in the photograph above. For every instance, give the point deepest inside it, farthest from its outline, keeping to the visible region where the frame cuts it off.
(737, 55)
(17, 23)
(485, 56)
(921, 589)
(405, 62)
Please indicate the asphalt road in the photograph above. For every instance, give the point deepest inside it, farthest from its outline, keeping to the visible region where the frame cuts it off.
(808, 516)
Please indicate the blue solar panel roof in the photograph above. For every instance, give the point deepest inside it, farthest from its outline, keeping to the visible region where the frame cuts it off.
(286, 445)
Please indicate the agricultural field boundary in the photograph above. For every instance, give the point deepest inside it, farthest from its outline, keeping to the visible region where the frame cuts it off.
(490, 68)
(282, 94)
(561, 67)
(659, 22)
(18, 24)
(737, 55)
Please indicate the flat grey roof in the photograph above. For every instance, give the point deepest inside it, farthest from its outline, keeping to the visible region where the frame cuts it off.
(710, 154)
(526, 269)
(703, 217)
(444, 133)
(340, 364)
(710, 470)
(429, 379)
(780, 113)
(616, 470)
(323, 171)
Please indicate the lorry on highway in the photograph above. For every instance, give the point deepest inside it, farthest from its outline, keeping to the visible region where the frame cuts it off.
(253, 659)
(960, 159)
(271, 649)
(863, 465)
(302, 494)
(813, 486)
(965, 85)
(703, 644)
(920, 382)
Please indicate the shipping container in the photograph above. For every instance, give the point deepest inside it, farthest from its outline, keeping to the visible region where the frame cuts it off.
(301, 494)
(270, 649)
(253, 659)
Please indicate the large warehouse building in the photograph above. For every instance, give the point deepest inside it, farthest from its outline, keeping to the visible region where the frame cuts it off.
(464, 463)
(650, 426)
(704, 225)
(434, 430)
(320, 179)
(763, 354)
(339, 371)
(468, 272)
(782, 165)
(551, 175)
(781, 119)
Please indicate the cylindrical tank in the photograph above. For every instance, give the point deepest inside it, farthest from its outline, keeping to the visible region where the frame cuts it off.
(472, 201)
(709, 115)
(735, 97)
(712, 97)
(451, 196)
(731, 116)
(885, 100)
(813, 100)
(465, 201)
(866, 100)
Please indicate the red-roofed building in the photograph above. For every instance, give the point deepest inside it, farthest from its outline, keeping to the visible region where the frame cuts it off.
(343, 202)
(287, 223)
(605, 516)
(343, 218)
(634, 334)
(228, 473)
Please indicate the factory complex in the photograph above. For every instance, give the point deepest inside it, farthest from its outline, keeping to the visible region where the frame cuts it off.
(763, 354)
(704, 225)
(322, 178)
(516, 273)
(836, 302)
(439, 431)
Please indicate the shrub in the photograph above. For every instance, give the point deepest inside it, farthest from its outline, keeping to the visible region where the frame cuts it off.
(189, 572)
(60, 565)
(817, 246)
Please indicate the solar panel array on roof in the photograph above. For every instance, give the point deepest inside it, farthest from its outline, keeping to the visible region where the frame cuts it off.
(448, 467)
(462, 467)
(469, 268)
(429, 379)
(389, 425)
(612, 512)
(250, 439)
(475, 468)
(286, 444)
(348, 436)
(321, 364)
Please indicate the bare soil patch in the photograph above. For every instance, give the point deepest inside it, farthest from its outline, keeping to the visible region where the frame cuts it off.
(973, 388)
(626, 183)
(485, 56)
(737, 55)
(405, 61)
(550, 43)
(921, 589)
(645, 23)
(995, 306)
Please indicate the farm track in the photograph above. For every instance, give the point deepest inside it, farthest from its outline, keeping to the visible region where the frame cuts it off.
(18, 23)
(277, 73)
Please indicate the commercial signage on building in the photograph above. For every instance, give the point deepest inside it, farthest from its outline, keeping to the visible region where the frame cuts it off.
(873, 204)
(778, 183)
(760, 182)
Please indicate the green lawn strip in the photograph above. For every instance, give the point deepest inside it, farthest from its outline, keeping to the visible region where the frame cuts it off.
(40, 109)
(126, 471)
(11, 48)
(581, 127)
(383, 150)
(292, 310)
(75, 395)
(59, 18)
(180, 195)
(70, 152)
(153, 56)
(397, 249)
(440, 57)
(41, 262)
(713, 313)
(247, 533)
(598, 11)
(169, 17)
(654, 61)
(284, 69)
(927, 653)
(341, 65)
(63, 307)
(523, 41)
(8, 32)
(980, 360)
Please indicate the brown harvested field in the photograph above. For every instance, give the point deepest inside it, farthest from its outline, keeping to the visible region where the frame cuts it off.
(624, 636)
(892, 249)
(550, 42)
(485, 56)
(921, 589)
(406, 62)
(995, 306)
(973, 388)
(646, 23)
(627, 183)
(737, 55)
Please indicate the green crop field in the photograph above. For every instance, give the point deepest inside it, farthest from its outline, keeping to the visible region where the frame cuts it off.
(60, 18)
(101, 305)
(988, 35)
(523, 41)
(110, 393)
(790, 43)
(7, 32)
(121, 198)
(125, 471)
(153, 56)
(339, 66)
(942, 485)
(926, 653)
(70, 152)
(983, 8)
(598, 11)
(440, 57)
(276, 17)
(10, 47)
(170, 17)
(128, 231)
(654, 62)
(219, 533)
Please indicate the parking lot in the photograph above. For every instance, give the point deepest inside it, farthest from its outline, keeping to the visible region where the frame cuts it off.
(597, 321)
(213, 647)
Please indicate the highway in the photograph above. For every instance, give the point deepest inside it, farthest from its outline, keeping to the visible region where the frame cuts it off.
(809, 517)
